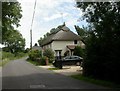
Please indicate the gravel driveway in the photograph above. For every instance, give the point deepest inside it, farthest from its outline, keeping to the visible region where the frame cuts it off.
(67, 70)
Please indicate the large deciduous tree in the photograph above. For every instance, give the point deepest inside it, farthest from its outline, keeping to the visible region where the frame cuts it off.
(11, 38)
(11, 15)
(102, 48)
(15, 42)
(82, 32)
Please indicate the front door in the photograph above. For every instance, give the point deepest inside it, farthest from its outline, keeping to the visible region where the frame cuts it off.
(58, 54)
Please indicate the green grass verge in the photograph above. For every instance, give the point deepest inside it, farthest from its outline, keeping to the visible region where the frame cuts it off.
(7, 57)
(96, 81)
(53, 69)
(3, 62)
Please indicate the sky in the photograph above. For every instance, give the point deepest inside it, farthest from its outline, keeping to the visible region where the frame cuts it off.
(48, 14)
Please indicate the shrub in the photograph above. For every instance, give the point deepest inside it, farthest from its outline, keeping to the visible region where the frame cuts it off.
(43, 61)
(78, 51)
(0, 55)
(50, 54)
(102, 59)
(66, 53)
(27, 50)
(5, 49)
(7, 55)
(33, 54)
(21, 54)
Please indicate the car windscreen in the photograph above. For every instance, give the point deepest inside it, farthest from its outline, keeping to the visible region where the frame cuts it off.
(67, 57)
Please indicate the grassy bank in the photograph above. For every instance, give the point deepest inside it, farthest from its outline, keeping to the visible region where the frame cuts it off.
(96, 81)
(5, 57)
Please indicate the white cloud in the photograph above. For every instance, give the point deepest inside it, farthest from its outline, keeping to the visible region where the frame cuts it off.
(55, 16)
(71, 22)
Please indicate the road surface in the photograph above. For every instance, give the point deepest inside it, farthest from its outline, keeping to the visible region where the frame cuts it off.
(19, 74)
(0, 78)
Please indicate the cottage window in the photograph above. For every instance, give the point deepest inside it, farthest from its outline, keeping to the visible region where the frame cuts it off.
(75, 41)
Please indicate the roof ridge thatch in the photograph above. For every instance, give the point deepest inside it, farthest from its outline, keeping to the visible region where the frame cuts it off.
(64, 34)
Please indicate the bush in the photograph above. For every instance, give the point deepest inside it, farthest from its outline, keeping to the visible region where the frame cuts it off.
(27, 50)
(66, 53)
(78, 51)
(50, 54)
(0, 55)
(5, 49)
(7, 55)
(102, 59)
(33, 54)
(43, 61)
(21, 54)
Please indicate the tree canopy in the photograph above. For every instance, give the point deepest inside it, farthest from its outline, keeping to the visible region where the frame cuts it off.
(82, 32)
(102, 48)
(0, 22)
(11, 15)
(15, 42)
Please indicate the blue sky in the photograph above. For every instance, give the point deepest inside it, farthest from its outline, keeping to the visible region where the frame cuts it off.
(48, 14)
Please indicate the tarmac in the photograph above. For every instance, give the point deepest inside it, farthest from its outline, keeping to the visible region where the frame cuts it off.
(20, 74)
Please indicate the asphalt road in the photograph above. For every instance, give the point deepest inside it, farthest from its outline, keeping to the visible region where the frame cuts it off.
(0, 78)
(20, 74)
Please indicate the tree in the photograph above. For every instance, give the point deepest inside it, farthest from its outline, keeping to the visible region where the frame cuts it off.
(15, 42)
(11, 38)
(11, 14)
(52, 30)
(0, 22)
(40, 41)
(78, 51)
(49, 53)
(82, 32)
(102, 48)
(34, 54)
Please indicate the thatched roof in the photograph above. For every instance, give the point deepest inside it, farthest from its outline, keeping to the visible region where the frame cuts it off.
(65, 34)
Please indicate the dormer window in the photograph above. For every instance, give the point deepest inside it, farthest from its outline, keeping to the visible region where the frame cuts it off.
(75, 41)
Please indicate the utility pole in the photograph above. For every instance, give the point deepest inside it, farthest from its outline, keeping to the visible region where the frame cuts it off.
(32, 25)
(31, 38)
